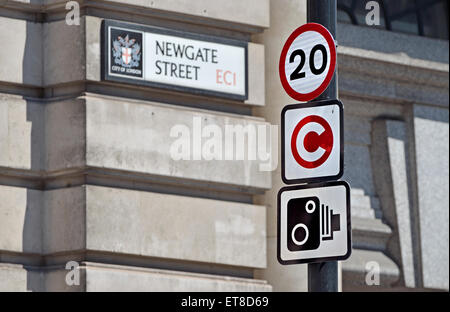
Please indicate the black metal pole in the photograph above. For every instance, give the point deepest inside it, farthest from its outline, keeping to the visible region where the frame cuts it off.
(323, 277)
(324, 12)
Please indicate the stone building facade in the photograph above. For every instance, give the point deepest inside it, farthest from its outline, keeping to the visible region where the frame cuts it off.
(86, 173)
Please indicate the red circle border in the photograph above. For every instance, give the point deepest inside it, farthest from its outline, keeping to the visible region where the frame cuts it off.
(304, 97)
(304, 163)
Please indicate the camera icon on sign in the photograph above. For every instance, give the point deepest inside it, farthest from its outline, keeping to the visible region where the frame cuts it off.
(309, 223)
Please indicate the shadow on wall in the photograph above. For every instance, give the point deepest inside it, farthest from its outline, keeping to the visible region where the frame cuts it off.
(358, 170)
(32, 226)
(22, 134)
(34, 142)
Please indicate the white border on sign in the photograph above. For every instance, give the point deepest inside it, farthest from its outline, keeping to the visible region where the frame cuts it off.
(329, 195)
(310, 82)
(331, 167)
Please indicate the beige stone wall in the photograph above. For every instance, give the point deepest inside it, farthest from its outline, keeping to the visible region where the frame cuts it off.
(285, 16)
(85, 166)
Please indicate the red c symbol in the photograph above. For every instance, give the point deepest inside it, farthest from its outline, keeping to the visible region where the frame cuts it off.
(313, 141)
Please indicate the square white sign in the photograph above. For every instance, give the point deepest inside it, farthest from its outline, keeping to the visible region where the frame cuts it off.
(312, 142)
(314, 223)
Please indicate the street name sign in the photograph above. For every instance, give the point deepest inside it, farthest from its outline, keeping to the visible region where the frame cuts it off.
(174, 60)
(314, 223)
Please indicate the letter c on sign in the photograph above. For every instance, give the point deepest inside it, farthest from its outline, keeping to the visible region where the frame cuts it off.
(312, 141)
(225, 77)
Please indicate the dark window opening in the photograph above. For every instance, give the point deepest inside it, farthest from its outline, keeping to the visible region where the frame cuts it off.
(427, 18)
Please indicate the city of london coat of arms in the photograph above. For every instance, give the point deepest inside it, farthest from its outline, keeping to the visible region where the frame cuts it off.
(126, 52)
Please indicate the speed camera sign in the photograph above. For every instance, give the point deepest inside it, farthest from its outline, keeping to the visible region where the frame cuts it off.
(314, 223)
(307, 62)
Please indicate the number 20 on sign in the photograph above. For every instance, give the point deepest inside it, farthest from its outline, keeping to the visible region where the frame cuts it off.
(307, 62)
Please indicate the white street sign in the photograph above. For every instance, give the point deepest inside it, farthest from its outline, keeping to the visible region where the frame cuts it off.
(314, 223)
(312, 142)
(175, 60)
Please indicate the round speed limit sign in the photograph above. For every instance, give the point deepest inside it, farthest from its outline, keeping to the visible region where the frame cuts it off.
(307, 62)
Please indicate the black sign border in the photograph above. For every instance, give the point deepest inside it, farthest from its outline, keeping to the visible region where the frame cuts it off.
(165, 31)
(341, 153)
(349, 225)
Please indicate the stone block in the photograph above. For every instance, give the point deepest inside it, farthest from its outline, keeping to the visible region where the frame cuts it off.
(232, 11)
(256, 75)
(20, 220)
(65, 130)
(64, 53)
(126, 279)
(122, 135)
(136, 137)
(431, 133)
(93, 48)
(64, 220)
(98, 277)
(390, 158)
(148, 224)
(21, 61)
(17, 278)
(54, 279)
(21, 133)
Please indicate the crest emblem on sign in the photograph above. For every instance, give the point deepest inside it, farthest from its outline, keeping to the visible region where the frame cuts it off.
(126, 52)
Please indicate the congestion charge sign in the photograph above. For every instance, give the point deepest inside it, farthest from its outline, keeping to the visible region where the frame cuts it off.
(312, 142)
(307, 62)
(175, 60)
